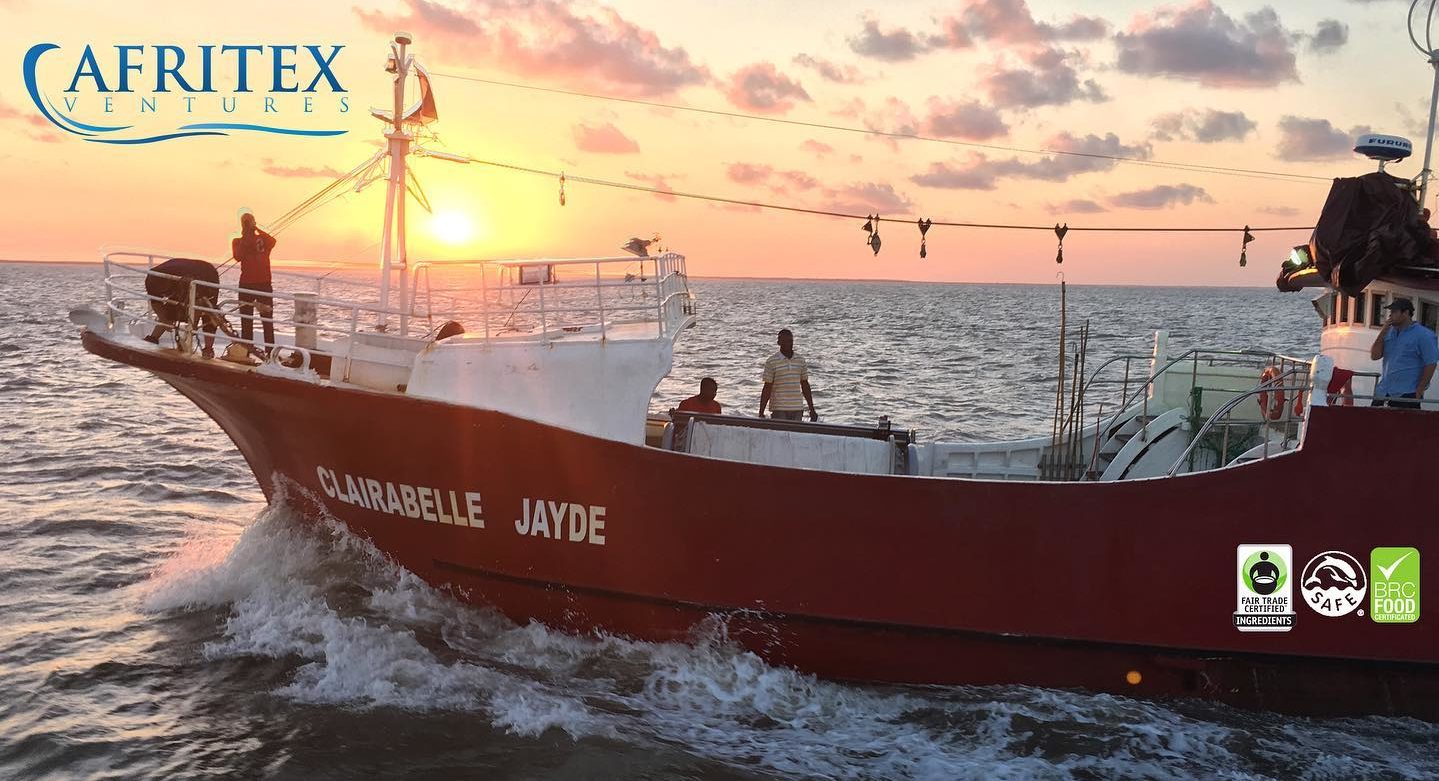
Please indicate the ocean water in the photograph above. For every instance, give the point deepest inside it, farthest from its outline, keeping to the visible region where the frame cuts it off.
(158, 620)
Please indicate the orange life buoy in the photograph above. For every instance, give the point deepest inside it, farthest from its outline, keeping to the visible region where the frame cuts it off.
(1271, 401)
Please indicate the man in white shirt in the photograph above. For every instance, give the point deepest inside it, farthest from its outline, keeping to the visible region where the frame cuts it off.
(786, 383)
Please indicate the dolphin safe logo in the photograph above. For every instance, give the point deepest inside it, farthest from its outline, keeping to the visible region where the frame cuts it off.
(1334, 584)
(207, 85)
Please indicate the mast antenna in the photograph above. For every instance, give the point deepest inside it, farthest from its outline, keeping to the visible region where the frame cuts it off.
(1427, 49)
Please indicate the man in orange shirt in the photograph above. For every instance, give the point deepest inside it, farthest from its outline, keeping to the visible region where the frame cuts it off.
(252, 248)
(705, 400)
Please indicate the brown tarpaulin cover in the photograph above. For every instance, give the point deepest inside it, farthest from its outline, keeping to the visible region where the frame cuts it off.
(1370, 225)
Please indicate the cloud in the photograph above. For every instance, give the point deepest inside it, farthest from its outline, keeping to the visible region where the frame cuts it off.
(895, 45)
(1052, 82)
(817, 148)
(1010, 21)
(1161, 197)
(300, 171)
(1280, 211)
(1207, 127)
(1305, 138)
(760, 175)
(748, 173)
(657, 181)
(34, 126)
(546, 38)
(762, 88)
(978, 172)
(1329, 37)
(1202, 43)
(830, 71)
(604, 139)
(796, 180)
(1078, 206)
(970, 120)
(866, 197)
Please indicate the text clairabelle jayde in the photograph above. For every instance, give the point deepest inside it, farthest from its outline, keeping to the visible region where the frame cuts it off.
(570, 521)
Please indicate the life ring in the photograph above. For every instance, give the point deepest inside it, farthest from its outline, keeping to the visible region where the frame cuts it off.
(1271, 400)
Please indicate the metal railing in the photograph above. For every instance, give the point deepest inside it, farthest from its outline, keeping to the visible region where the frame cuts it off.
(1293, 397)
(1191, 359)
(541, 300)
(125, 285)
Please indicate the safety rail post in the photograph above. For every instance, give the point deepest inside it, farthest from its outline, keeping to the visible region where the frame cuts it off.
(109, 296)
(485, 301)
(350, 341)
(600, 302)
(544, 321)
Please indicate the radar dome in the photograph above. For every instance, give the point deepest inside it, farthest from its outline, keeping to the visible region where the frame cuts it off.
(1386, 149)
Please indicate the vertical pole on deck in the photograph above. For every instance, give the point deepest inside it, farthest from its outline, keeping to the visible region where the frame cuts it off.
(1425, 174)
(398, 146)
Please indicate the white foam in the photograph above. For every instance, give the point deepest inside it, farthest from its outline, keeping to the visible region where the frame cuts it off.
(371, 634)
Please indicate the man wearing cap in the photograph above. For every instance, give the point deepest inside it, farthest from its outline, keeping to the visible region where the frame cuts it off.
(1409, 351)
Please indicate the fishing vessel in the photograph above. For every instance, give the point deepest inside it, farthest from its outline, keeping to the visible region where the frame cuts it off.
(1159, 543)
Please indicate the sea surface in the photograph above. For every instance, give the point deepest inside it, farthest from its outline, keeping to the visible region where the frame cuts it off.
(159, 621)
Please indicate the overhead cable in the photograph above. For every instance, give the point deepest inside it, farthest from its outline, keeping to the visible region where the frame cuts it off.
(570, 177)
(1192, 167)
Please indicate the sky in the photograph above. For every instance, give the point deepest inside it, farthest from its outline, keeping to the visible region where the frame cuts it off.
(1259, 85)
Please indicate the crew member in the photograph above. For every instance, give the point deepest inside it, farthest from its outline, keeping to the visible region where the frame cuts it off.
(786, 383)
(252, 248)
(1409, 351)
(704, 401)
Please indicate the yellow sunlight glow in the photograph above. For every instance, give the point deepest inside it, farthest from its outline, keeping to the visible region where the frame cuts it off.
(452, 227)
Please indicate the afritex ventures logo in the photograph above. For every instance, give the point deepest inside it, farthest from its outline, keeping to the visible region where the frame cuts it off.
(134, 94)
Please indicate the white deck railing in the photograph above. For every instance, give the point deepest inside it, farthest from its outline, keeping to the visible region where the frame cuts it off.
(544, 299)
(515, 300)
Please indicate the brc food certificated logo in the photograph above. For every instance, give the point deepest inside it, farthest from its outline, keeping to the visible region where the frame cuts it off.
(1266, 600)
(1394, 573)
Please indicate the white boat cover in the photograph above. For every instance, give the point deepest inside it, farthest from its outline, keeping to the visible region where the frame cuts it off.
(792, 448)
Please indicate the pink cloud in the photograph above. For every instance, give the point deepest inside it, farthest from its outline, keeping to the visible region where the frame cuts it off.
(547, 39)
(760, 87)
(301, 171)
(818, 148)
(657, 181)
(36, 127)
(604, 139)
(748, 173)
(969, 120)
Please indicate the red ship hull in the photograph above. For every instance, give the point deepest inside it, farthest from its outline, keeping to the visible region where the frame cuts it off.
(1125, 587)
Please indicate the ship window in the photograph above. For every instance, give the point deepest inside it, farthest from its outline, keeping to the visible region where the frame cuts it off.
(1376, 309)
(1429, 314)
(1344, 309)
(1359, 309)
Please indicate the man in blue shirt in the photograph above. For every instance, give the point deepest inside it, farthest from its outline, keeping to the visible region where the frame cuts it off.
(1410, 352)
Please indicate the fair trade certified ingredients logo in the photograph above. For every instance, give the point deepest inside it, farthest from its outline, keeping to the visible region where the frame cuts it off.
(1265, 589)
(142, 94)
(1333, 584)
(1394, 595)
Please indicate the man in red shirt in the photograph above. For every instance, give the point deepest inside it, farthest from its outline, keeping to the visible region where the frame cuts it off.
(705, 401)
(252, 248)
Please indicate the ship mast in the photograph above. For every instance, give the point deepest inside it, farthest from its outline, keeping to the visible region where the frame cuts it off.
(1427, 49)
(393, 254)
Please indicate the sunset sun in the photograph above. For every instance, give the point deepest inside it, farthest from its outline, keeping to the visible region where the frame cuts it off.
(452, 227)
